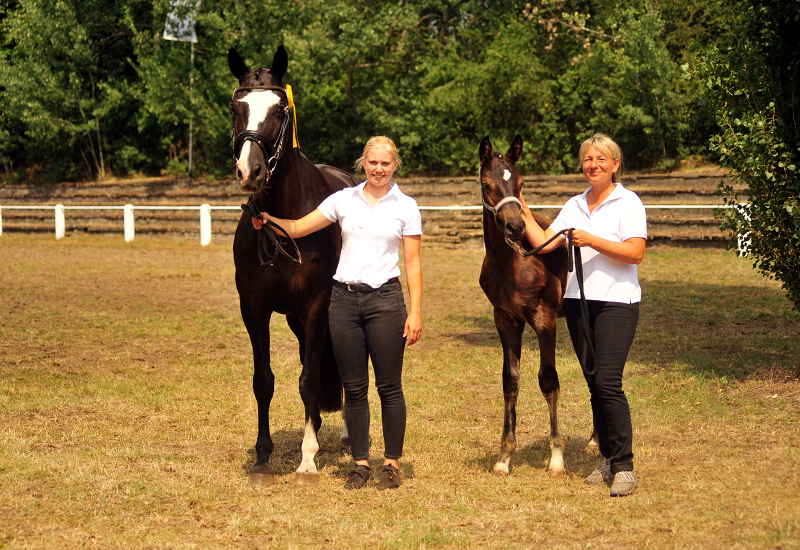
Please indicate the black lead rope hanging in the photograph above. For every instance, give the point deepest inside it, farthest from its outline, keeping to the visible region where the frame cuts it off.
(587, 336)
(266, 232)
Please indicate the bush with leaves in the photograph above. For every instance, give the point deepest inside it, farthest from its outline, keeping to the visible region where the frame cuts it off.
(755, 88)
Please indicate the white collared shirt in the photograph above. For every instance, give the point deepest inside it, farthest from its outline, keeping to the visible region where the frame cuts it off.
(618, 218)
(371, 237)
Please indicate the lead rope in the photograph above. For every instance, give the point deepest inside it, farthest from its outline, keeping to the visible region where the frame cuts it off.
(578, 262)
(267, 231)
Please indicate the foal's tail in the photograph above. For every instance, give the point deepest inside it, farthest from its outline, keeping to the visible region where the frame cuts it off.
(332, 397)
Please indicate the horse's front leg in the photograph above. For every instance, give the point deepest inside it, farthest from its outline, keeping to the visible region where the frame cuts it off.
(510, 331)
(544, 324)
(257, 323)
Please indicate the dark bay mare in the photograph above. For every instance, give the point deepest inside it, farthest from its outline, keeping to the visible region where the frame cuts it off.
(281, 181)
(522, 289)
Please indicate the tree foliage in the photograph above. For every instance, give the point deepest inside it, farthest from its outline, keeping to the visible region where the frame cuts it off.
(90, 87)
(753, 84)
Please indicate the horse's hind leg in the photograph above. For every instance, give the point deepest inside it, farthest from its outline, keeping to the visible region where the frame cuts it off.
(510, 331)
(545, 326)
(311, 393)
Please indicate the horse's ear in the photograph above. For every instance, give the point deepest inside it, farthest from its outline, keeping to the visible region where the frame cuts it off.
(237, 64)
(515, 151)
(279, 63)
(485, 150)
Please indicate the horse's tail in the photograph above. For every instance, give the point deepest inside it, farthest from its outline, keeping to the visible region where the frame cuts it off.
(332, 397)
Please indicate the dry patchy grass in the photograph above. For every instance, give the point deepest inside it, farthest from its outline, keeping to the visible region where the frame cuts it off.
(126, 414)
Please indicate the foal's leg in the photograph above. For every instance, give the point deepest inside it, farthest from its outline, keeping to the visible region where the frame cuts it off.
(593, 446)
(545, 326)
(257, 322)
(510, 331)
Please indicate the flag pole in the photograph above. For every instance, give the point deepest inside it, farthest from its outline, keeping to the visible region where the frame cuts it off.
(191, 107)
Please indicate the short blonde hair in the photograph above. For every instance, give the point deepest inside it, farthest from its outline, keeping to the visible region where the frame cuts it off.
(606, 146)
(378, 141)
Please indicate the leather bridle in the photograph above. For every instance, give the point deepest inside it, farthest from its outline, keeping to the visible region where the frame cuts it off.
(273, 151)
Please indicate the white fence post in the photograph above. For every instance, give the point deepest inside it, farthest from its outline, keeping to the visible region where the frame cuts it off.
(205, 224)
(743, 239)
(61, 225)
(128, 217)
(1, 221)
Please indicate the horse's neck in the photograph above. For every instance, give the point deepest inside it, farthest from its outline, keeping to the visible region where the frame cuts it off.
(494, 240)
(295, 188)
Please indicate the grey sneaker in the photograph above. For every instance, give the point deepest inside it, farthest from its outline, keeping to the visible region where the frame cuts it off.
(624, 484)
(601, 474)
(358, 477)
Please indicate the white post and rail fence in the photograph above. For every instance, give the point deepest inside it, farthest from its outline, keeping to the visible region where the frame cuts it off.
(205, 214)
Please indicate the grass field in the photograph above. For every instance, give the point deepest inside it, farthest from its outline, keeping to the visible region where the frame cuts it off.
(127, 416)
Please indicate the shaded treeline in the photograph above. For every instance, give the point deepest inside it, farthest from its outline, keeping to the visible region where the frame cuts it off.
(89, 88)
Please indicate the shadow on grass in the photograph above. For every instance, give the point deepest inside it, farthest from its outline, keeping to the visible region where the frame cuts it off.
(332, 455)
(577, 461)
(714, 330)
(287, 453)
(718, 331)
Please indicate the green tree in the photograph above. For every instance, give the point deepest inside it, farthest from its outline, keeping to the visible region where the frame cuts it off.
(754, 86)
(67, 84)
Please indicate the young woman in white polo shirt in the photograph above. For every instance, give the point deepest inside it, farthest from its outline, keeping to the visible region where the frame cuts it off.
(611, 227)
(367, 314)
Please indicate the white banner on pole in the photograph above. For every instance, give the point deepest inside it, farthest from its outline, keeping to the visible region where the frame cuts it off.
(181, 20)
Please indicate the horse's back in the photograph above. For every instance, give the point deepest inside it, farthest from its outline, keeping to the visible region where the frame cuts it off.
(338, 179)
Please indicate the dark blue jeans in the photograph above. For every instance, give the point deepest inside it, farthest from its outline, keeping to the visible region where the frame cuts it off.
(612, 327)
(368, 323)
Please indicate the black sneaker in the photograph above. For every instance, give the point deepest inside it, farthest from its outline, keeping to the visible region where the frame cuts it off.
(390, 478)
(358, 477)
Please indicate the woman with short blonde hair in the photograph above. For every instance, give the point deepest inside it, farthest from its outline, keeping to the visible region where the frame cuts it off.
(610, 224)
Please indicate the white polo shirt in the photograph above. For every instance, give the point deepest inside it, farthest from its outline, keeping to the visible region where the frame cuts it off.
(618, 218)
(371, 237)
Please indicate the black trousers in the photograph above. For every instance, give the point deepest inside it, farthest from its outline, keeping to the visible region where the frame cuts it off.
(368, 323)
(612, 327)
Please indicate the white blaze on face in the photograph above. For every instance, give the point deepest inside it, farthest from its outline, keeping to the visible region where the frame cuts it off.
(259, 103)
(506, 175)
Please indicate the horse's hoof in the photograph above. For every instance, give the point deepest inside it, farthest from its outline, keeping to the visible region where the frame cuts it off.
(261, 478)
(304, 478)
(556, 473)
(500, 470)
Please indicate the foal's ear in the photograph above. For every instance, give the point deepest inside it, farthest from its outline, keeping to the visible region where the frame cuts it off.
(279, 63)
(237, 64)
(515, 151)
(485, 150)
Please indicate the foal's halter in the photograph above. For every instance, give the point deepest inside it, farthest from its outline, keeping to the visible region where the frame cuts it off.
(273, 151)
(495, 210)
(578, 263)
